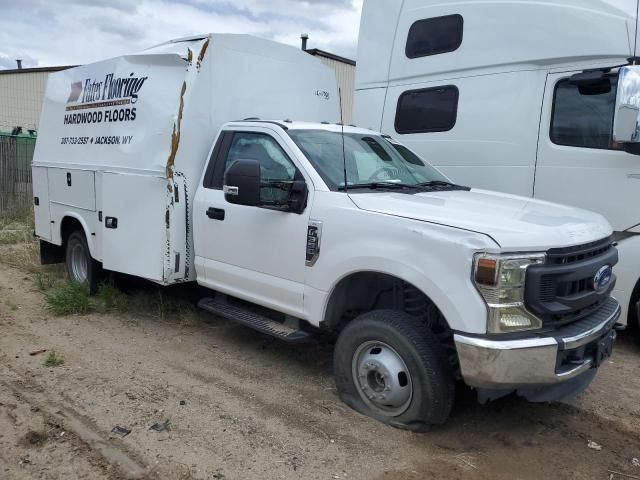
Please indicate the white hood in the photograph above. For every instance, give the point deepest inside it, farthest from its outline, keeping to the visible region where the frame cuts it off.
(515, 223)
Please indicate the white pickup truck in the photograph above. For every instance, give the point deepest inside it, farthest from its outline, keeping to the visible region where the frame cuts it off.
(298, 226)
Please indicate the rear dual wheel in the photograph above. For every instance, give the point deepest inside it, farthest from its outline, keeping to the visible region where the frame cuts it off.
(389, 365)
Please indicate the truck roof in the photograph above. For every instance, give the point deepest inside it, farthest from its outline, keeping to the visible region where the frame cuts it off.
(301, 125)
(496, 36)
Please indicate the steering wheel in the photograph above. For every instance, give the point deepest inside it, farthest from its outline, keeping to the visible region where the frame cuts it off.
(389, 173)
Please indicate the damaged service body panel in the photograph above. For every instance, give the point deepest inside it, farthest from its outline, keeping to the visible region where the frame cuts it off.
(123, 142)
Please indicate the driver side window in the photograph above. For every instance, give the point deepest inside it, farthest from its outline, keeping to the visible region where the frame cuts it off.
(276, 168)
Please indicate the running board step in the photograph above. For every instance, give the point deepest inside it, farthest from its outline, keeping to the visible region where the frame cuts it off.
(253, 320)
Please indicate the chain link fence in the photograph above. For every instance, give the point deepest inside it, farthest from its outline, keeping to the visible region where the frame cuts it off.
(16, 154)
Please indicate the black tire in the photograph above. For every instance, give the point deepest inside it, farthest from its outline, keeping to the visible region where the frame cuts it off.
(77, 242)
(433, 385)
(633, 320)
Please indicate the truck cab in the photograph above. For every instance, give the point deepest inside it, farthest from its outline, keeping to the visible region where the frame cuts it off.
(425, 281)
(516, 97)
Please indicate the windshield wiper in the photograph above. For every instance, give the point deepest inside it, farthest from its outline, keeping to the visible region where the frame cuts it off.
(443, 185)
(382, 185)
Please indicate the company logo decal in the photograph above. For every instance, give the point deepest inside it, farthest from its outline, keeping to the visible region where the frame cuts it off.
(110, 91)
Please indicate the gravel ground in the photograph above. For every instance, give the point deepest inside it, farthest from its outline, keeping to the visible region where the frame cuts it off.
(239, 405)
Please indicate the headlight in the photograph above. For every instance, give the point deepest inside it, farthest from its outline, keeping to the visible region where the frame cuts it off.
(500, 280)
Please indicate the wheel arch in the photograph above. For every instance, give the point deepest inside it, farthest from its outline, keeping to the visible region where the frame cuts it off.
(71, 222)
(368, 290)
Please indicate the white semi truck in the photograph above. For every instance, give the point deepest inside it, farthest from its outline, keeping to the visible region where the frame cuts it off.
(154, 164)
(533, 98)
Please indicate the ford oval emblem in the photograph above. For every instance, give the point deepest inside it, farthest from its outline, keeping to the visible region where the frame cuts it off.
(602, 277)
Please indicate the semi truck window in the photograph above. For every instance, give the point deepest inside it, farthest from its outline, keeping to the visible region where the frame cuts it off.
(433, 36)
(427, 110)
(583, 118)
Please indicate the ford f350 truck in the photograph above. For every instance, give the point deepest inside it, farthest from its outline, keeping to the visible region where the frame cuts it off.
(518, 97)
(153, 164)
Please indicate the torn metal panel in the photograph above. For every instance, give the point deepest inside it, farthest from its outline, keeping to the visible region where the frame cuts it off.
(203, 50)
(175, 136)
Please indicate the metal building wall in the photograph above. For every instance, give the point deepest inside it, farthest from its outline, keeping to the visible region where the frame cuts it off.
(21, 97)
(345, 76)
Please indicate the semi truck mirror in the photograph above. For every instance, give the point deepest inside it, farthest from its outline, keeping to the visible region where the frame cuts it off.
(242, 183)
(627, 108)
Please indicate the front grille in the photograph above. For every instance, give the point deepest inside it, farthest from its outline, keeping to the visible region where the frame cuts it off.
(562, 290)
(563, 256)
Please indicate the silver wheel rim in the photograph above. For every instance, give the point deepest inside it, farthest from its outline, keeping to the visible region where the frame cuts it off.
(382, 378)
(79, 263)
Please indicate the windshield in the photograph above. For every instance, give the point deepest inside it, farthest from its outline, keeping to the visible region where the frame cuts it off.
(370, 159)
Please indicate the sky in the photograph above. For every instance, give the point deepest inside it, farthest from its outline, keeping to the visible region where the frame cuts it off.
(71, 32)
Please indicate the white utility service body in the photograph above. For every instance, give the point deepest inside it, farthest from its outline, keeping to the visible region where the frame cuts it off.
(497, 70)
(134, 152)
(320, 224)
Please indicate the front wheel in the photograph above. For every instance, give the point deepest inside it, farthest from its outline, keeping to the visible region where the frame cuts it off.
(81, 267)
(389, 365)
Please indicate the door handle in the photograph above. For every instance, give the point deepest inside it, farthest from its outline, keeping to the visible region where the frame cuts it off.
(215, 213)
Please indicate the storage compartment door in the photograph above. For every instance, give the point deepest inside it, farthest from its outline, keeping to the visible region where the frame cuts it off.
(41, 202)
(72, 187)
(133, 224)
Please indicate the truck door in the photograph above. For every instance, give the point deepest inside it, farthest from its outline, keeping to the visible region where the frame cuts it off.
(578, 163)
(251, 252)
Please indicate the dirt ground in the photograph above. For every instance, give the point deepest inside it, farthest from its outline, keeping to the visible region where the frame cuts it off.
(240, 405)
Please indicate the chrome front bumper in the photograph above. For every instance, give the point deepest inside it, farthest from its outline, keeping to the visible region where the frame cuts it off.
(538, 360)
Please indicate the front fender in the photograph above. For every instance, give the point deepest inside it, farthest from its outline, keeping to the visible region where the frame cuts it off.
(435, 259)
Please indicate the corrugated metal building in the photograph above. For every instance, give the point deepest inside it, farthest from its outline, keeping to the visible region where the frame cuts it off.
(345, 76)
(21, 94)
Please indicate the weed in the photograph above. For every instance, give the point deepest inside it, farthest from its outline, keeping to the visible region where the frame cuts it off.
(68, 298)
(53, 360)
(167, 425)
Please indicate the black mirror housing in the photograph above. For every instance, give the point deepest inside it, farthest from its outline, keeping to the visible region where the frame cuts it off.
(298, 196)
(242, 183)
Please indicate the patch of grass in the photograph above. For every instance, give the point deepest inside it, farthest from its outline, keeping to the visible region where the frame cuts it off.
(11, 305)
(21, 215)
(13, 236)
(49, 277)
(111, 298)
(68, 298)
(53, 360)
(160, 305)
(24, 257)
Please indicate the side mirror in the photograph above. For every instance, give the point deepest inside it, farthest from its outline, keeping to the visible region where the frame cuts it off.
(242, 183)
(626, 119)
(298, 196)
